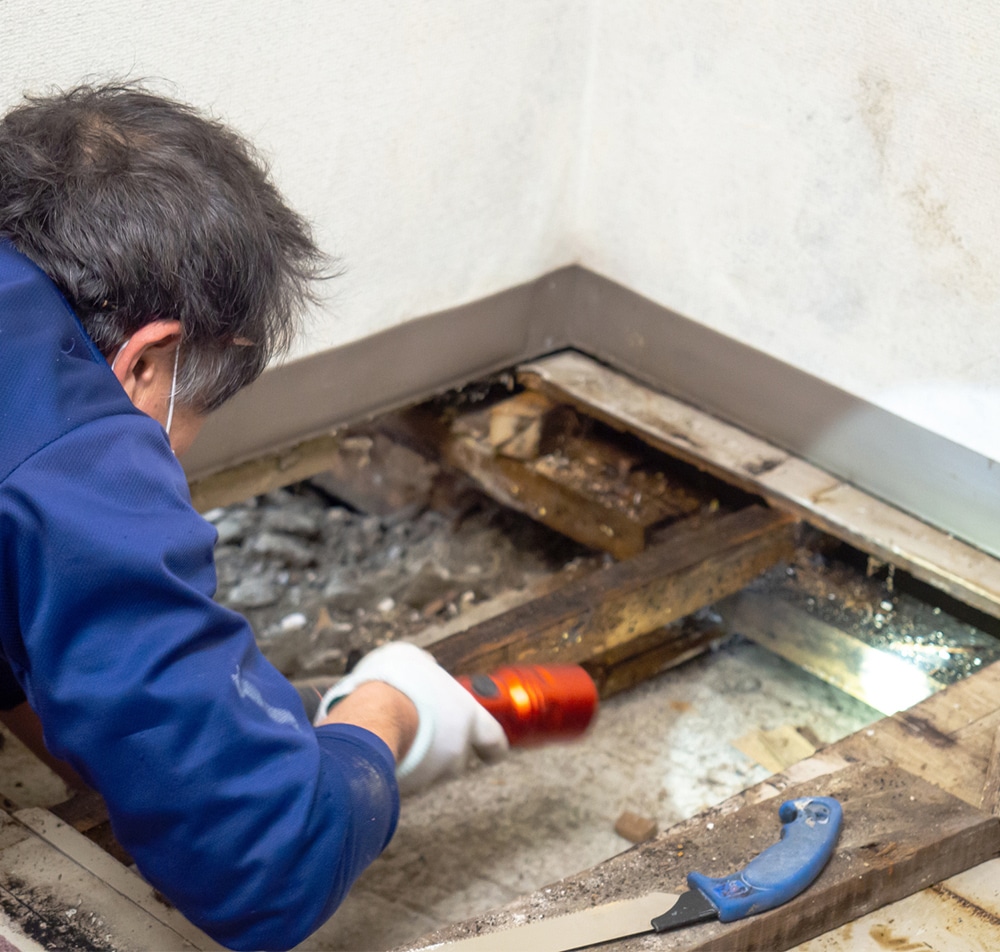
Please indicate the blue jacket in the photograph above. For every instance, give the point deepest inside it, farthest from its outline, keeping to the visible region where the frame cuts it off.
(251, 821)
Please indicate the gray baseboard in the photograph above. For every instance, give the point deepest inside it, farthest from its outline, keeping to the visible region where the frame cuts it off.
(941, 482)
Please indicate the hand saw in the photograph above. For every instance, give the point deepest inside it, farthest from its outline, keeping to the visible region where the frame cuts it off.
(808, 836)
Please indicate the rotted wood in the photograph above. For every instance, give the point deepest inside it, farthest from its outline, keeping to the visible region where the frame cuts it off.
(265, 473)
(694, 563)
(911, 786)
(959, 914)
(991, 788)
(900, 835)
(541, 459)
(786, 481)
(946, 739)
(644, 657)
(528, 425)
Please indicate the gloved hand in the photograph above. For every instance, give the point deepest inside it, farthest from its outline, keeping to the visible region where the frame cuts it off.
(453, 725)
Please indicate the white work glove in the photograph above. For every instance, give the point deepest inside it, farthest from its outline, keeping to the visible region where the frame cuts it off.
(453, 725)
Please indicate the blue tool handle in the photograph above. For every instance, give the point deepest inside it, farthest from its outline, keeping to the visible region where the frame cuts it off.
(783, 870)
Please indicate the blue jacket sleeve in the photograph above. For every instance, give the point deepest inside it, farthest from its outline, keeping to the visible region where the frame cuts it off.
(251, 821)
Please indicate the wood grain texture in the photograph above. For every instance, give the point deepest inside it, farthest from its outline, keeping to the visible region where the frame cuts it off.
(946, 739)
(990, 802)
(883, 680)
(755, 465)
(265, 473)
(961, 914)
(696, 563)
(590, 487)
(900, 835)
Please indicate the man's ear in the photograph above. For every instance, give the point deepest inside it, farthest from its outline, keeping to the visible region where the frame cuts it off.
(144, 365)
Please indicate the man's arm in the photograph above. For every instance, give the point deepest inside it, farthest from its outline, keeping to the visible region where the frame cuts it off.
(381, 709)
(377, 707)
(451, 728)
(251, 821)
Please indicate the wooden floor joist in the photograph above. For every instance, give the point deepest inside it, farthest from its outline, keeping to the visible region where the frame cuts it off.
(881, 679)
(693, 564)
(788, 482)
(582, 485)
(265, 473)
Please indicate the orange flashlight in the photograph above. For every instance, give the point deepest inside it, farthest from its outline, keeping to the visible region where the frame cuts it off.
(536, 704)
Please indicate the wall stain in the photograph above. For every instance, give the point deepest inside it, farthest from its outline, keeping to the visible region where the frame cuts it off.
(924, 192)
(933, 223)
(876, 99)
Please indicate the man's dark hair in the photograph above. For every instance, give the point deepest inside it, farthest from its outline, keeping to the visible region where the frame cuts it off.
(139, 207)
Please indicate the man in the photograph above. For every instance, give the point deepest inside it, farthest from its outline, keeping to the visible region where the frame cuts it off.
(148, 271)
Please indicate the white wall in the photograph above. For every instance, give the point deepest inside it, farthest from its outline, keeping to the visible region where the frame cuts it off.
(432, 143)
(818, 180)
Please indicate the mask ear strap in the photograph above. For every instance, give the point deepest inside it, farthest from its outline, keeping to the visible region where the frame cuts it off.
(119, 353)
(173, 389)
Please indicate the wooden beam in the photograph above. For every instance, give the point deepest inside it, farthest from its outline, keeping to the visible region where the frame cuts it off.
(589, 489)
(63, 890)
(265, 473)
(946, 739)
(900, 835)
(731, 454)
(878, 677)
(960, 913)
(645, 657)
(526, 425)
(913, 822)
(990, 802)
(694, 564)
(87, 813)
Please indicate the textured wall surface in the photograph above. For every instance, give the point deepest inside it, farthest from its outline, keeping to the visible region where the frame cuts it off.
(821, 181)
(433, 144)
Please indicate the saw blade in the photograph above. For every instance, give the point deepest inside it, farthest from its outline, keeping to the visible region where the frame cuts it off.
(572, 930)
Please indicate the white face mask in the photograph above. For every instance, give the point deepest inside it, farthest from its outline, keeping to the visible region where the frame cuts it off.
(173, 382)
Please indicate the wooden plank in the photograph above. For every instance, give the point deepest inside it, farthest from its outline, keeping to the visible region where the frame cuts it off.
(76, 908)
(86, 812)
(990, 802)
(776, 749)
(881, 679)
(265, 473)
(962, 705)
(961, 914)
(956, 762)
(590, 490)
(526, 425)
(895, 537)
(900, 835)
(696, 563)
(946, 739)
(94, 859)
(24, 779)
(20, 927)
(645, 657)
